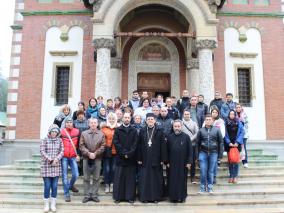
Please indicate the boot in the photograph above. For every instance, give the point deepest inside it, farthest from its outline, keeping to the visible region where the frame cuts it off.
(46, 205)
(111, 188)
(53, 204)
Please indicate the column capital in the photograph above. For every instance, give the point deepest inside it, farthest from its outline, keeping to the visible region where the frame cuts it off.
(103, 43)
(192, 63)
(206, 44)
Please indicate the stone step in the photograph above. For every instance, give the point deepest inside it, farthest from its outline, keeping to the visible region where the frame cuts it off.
(192, 192)
(108, 202)
(252, 162)
(221, 184)
(157, 209)
(263, 163)
(223, 172)
(224, 175)
(251, 169)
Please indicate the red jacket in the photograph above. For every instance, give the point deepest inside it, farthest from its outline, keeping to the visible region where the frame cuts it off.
(69, 151)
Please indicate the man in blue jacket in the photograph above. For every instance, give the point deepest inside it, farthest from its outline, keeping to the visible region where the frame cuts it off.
(209, 145)
(227, 106)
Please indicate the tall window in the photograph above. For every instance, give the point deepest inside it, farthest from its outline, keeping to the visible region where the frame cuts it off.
(240, 1)
(62, 84)
(244, 86)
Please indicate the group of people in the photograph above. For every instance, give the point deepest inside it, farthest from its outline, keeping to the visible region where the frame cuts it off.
(132, 142)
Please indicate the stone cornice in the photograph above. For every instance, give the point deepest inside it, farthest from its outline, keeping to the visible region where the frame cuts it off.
(103, 43)
(56, 12)
(192, 63)
(252, 14)
(16, 27)
(206, 44)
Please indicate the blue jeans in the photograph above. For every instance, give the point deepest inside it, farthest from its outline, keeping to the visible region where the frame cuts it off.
(234, 170)
(246, 153)
(50, 183)
(207, 163)
(75, 173)
(108, 169)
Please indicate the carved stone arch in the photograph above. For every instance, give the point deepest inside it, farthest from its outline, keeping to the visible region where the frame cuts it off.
(197, 12)
(171, 66)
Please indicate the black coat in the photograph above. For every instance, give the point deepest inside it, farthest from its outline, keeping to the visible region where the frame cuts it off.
(125, 141)
(159, 147)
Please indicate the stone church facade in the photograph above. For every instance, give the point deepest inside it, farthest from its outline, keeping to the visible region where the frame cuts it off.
(65, 51)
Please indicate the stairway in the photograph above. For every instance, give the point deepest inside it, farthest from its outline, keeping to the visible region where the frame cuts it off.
(260, 189)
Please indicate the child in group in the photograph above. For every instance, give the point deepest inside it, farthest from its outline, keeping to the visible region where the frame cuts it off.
(51, 151)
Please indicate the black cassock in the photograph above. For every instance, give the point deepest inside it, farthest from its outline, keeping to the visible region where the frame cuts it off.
(124, 184)
(179, 154)
(151, 182)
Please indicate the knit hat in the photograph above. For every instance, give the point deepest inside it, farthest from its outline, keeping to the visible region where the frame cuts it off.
(68, 119)
(53, 128)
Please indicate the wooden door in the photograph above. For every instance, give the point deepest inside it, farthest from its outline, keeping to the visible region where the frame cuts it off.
(154, 83)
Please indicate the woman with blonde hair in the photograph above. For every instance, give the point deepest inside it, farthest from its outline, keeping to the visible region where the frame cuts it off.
(110, 152)
(64, 113)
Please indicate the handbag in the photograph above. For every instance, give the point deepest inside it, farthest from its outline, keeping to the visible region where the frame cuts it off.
(234, 155)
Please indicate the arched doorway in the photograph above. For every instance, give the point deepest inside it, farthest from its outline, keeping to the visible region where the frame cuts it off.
(154, 66)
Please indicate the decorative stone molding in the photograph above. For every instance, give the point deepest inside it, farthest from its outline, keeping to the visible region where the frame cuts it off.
(63, 53)
(206, 44)
(103, 43)
(97, 5)
(213, 5)
(115, 63)
(243, 55)
(192, 63)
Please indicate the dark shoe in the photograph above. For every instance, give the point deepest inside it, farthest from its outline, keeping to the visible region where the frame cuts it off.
(74, 189)
(131, 201)
(156, 201)
(117, 201)
(67, 199)
(214, 181)
(95, 199)
(86, 199)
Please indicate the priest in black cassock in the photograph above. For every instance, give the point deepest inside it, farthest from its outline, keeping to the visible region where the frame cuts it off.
(151, 155)
(125, 141)
(180, 156)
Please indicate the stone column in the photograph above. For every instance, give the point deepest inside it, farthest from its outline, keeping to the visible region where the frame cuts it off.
(206, 75)
(116, 73)
(193, 75)
(103, 73)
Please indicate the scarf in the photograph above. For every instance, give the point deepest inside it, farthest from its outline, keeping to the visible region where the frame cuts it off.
(92, 110)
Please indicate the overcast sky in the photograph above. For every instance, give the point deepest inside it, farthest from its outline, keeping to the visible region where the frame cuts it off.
(6, 20)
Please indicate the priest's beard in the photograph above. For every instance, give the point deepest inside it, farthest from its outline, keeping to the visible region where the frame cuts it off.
(177, 132)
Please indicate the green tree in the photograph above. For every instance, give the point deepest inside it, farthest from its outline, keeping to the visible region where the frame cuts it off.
(3, 94)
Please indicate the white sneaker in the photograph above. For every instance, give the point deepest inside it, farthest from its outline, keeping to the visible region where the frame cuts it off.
(246, 165)
(53, 204)
(106, 188)
(111, 188)
(46, 205)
